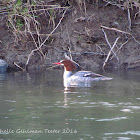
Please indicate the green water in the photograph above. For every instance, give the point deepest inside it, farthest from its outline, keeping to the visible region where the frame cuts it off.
(37, 107)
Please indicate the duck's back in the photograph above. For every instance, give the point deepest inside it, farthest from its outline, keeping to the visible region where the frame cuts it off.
(88, 76)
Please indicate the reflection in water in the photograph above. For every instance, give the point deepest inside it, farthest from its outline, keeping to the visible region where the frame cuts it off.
(69, 89)
(38, 101)
(65, 100)
(2, 78)
(78, 84)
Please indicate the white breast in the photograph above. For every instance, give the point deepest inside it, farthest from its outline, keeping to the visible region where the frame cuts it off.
(67, 74)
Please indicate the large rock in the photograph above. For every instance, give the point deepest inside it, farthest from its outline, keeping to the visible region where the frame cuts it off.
(3, 66)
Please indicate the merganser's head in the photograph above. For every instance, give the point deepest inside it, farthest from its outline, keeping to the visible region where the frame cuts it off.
(68, 64)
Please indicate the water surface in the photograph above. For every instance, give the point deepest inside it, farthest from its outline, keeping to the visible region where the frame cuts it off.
(35, 106)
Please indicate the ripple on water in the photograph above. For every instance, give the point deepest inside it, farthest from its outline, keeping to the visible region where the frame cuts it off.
(125, 103)
(127, 110)
(124, 138)
(118, 138)
(133, 107)
(35, 117)
(11, 110)
(73, 120)
(92, 103)
(88, 136)
(48, 106)
(132, 132)
(91, 106)
(29, 107)
(82, 102)
(86, 118)
(108, 104)
(12, 101)
(112, 119)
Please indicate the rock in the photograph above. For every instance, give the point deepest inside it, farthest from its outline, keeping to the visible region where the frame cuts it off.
(3, 66)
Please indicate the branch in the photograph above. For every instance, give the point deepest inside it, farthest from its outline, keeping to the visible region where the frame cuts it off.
(108, 42)
(46, 38)
(18, 66)
(120, 48)
(117, 30)
(114, 29)
(129, 19)
(110, 52)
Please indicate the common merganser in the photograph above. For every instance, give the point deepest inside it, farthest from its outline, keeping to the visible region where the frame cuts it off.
(79, 78)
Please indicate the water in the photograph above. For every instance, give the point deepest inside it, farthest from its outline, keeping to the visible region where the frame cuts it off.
(37, 107)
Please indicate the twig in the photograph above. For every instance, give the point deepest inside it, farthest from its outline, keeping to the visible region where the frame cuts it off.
(120, 48)
(90, 53)
(18, 66)
(27, 23)
(106, 38)
(36, 24)
(113, 3)
(15, 30)
(114, 29)
(110, 52)
(46, 38)
(39, 10)
(90, 17)
(100, 48)
(129, 19)
(109, 43)
(136, 61)
(70, 53)
(54, 28)
(85, 9)
(117, 30)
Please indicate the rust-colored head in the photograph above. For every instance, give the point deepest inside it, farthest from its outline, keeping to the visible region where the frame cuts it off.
(69, 65)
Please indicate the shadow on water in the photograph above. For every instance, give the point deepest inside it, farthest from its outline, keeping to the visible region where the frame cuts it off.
(36, 106)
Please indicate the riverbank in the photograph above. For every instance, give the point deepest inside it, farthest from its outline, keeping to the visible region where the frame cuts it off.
(95, 34)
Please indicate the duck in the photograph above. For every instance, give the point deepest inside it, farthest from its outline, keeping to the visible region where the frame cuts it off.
(79, 78)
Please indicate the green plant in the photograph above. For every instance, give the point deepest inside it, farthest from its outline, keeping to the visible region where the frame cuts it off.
(19, 23)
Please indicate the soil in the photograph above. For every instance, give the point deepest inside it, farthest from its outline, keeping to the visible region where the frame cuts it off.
(80, 36)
